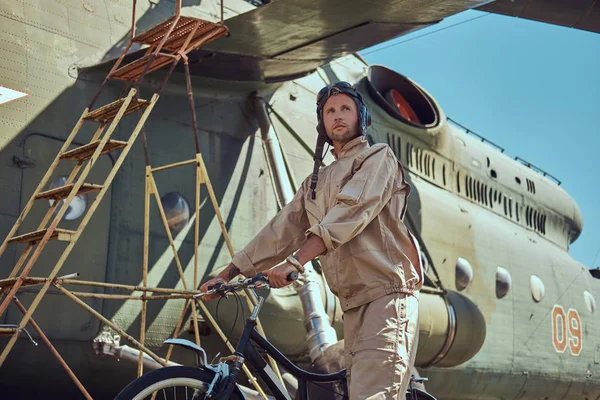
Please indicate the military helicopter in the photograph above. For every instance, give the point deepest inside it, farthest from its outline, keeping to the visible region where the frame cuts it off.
(506, 312)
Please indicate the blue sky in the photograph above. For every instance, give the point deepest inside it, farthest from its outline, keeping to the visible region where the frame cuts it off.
(531, 87)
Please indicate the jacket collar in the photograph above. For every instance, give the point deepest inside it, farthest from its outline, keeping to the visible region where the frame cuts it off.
(351, 148)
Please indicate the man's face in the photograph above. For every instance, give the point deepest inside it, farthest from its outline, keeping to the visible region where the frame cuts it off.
(340, 117)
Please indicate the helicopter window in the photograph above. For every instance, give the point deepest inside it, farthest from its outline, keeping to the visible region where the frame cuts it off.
(537, 288)
(464, 274)
(503, 282)
(177, 211)
(78, 204)
(590, 301)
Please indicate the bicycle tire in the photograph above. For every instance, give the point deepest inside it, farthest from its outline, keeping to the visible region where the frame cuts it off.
(170, 377)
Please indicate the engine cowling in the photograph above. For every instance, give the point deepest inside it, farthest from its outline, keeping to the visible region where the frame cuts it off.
(452, 330)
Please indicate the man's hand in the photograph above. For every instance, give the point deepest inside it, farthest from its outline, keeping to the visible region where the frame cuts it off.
(278, 275)
(225, 276)
(208, 285)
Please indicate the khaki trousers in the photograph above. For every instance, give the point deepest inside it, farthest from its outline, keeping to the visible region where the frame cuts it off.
(380, 343)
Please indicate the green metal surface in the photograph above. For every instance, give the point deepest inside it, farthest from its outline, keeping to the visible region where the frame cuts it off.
(53, 59)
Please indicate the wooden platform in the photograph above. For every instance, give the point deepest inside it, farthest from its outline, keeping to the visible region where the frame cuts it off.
(64, 235)
(108, 112)
(85, 152)
(62, 192)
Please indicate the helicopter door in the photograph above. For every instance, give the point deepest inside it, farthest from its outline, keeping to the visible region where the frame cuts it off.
(59, 317)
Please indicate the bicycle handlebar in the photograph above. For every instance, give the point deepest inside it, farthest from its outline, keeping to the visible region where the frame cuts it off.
(258, 281)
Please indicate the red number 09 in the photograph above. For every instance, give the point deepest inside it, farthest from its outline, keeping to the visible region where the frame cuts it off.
(561, 324)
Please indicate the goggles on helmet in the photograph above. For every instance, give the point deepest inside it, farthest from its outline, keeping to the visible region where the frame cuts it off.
(335, 88)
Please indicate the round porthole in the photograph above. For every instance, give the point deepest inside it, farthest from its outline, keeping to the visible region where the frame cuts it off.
(590, 301)
(464, 274)
(78, 204)
(177, 211)
(537, 288)
(503, 282)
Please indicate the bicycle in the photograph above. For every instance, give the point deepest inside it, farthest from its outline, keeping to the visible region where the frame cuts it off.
(220, 381)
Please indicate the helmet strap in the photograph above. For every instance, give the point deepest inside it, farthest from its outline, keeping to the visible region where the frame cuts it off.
(318, 159)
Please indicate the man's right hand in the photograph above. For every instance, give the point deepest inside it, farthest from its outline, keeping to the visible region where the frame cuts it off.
(208, 285)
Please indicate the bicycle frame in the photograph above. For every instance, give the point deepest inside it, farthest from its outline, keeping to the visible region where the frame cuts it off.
(246, 351)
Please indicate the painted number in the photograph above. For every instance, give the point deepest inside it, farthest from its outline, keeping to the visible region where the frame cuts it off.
(566, 330)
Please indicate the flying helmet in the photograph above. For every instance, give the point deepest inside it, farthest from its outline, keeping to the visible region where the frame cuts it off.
(364, 118)
(364, 121)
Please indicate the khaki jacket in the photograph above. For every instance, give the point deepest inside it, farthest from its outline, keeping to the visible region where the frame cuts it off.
(360, 204)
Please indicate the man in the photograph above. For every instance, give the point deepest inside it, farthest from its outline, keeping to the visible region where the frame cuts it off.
(350, 214)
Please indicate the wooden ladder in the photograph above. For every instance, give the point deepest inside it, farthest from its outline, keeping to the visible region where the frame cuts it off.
(167, 44)
(108, 117)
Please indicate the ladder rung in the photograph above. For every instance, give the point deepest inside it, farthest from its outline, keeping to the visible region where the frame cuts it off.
(7, 282)
(26, 282)
(85, 152)
(134, 69)
(62, 192)
(108, 112)
(8, 331)
(58, 234)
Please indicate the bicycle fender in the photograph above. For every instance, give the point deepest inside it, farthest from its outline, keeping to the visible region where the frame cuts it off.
(186, 344)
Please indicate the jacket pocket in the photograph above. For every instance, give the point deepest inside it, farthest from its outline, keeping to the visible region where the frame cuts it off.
(352, 191)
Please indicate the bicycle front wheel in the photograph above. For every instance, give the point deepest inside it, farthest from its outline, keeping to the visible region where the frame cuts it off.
(172, 383)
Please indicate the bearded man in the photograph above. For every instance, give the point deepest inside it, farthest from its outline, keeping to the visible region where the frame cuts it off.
(350, 214)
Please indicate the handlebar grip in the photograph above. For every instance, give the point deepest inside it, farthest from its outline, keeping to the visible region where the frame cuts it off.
(292, 276)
